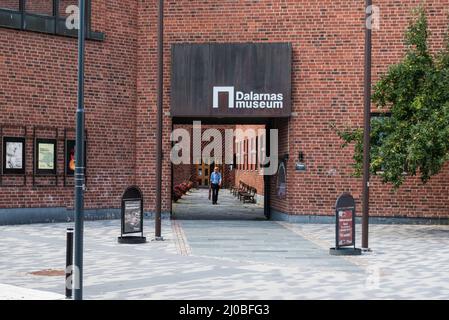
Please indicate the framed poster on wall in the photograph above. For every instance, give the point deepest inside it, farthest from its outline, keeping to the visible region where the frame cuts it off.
(70, 147)
(13, 155)
(281, 184)
(70, 157)
(45, 156)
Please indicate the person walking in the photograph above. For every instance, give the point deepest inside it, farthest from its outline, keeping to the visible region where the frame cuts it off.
(215, 183)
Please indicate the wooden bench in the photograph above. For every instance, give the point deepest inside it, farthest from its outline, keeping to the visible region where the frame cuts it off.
(235, 189)
(243, 191)
(250, 196)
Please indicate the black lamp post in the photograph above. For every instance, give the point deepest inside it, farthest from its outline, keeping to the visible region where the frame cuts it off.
(367, 128)
(79, 159)
(160, 87)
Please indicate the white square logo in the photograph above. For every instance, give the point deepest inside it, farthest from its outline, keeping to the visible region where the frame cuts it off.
(231, 99)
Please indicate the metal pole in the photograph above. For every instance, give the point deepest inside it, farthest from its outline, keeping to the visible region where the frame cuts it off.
(267, 178)
(79, 159)
(160, 84)
(367, 129)
(69, 263)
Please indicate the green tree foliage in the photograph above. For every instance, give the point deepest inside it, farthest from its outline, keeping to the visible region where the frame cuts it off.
(415, 139)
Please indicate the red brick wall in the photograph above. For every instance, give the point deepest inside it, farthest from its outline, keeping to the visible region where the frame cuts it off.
(249, 174)
(63, 4)
(327, 43)
(39, 6)
(9, 4)
(252, 178)
(38, 87)
(277, 203)
(182, 172)
(328, 86)
(412, 199)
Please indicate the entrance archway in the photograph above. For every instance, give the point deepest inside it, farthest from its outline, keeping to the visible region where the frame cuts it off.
(245, 193)
(232, 84)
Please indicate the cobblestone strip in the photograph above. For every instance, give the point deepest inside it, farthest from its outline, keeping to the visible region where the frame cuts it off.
(182, 245)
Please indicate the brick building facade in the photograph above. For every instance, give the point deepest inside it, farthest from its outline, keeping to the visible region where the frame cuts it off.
(38, 99)
(249, 171)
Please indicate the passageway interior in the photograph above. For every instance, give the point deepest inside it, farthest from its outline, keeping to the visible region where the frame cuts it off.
(195, 205)
(243, 187)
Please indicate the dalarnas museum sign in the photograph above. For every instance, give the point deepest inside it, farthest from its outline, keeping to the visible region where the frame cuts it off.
(231, 80)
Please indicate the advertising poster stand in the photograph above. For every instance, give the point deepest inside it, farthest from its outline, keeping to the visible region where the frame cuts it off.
(345, 227)
(132, 216)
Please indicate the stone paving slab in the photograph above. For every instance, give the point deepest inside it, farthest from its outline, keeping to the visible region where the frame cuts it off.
(8, 292)
(279, 261)
(263, 241)
(407, 261)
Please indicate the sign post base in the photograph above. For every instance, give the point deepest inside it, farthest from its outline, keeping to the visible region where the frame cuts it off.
(345, 252)
(131, 240)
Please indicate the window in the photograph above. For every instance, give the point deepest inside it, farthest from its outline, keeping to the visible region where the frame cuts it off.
(261, 149)
(245, 152)
(256, 164)
(248, 146)
(47, 16)
(42, 7)
(237, 156)
(9, 5)
(248, 154)
(281, 184)
(241, 155)
(253, 153)
(64, 6)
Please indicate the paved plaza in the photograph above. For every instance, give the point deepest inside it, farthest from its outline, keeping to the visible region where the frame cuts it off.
(228, 259)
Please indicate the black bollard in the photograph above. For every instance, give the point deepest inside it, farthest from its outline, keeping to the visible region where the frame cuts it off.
(69, 262)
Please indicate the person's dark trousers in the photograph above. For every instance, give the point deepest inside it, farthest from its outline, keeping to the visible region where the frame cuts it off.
(215, 188)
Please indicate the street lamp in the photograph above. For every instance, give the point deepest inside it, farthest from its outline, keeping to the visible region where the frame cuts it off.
(367, 127)
(160, 87)
(79, 159)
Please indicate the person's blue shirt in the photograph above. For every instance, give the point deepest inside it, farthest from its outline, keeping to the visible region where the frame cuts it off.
(215, 178)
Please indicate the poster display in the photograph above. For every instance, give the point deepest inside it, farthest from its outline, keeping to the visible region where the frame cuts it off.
(281, 182)
(70, 147)
(45, 156)
(345, 221)
(132, 216)
(70, 157)
(345, 228)
(13, 155)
